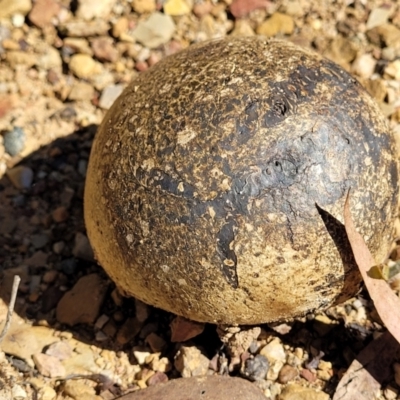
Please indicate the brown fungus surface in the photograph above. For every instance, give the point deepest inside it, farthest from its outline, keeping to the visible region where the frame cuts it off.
(217, 180)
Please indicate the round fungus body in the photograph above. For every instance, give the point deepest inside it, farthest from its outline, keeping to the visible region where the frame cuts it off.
(216, 183)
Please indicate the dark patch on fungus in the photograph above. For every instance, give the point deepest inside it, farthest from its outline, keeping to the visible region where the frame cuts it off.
(225, 237)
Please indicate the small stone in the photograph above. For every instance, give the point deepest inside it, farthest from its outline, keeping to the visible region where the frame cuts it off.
(77, 45)
(144, 6)
(21, 177)
(50, 276)
(183, 329)
(177, 7)
(158, 377)
(378, 16)
(277, 23)
(81, 91)
(256, 368)
(190, 361)
(101, 321)
(156, 343)
(14, 141)
(82, 303)
(155, 31)
(202, 9)
(58, 247)
(43, 12)
(83, 66)
(297, 392)
(39, 240)
(18, 393)
(109, 95)
(12, 7)
(121, 26)
(274, 351)
(18, 20)
(141, 354)
(101, 336)
(60, 350)
(308, 375)
(364, 66)
(82, 248)
(391, 393)
(89, 9)
(162, 365)
(274, 369)
(287, 374)
(48, 366)
(241, 8)
(393, 70)
(82, 29)
(388, 53)
(104, 49)
(68, 266)
(60, 214)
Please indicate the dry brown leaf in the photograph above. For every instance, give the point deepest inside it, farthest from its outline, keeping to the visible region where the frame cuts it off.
(366, 373)
(386, 302)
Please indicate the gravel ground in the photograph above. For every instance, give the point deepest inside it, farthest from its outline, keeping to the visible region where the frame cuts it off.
(73, 336)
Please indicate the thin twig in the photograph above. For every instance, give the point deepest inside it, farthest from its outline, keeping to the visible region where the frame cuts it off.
(14, 291)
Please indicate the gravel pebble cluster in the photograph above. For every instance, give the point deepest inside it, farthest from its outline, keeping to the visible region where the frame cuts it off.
(62, 64)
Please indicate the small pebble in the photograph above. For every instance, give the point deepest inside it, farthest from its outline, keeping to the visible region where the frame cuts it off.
(60, 350)
(101, 321)
(274, 351)
(141, 354)
(48, 365)
(183, 329)
(82, 248)
(177, 7)
(14, 141)
(18, 393)
(155, 31)
(68, 266)
(39, 240)
(60, 214)
(256, 368)
(21, 177)
(58, 247)
(109, 95)
(190, 361)
(101, 336)
(144, 6)
(287, 374)
(18, 20)
(82, 167)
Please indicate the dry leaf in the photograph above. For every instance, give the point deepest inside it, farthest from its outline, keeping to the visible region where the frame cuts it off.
(366, 373)
(386, 302)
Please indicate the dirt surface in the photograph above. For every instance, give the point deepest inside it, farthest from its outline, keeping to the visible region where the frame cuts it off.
(73, 336)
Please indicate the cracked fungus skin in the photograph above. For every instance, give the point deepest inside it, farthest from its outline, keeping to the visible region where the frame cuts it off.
(217, 180)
